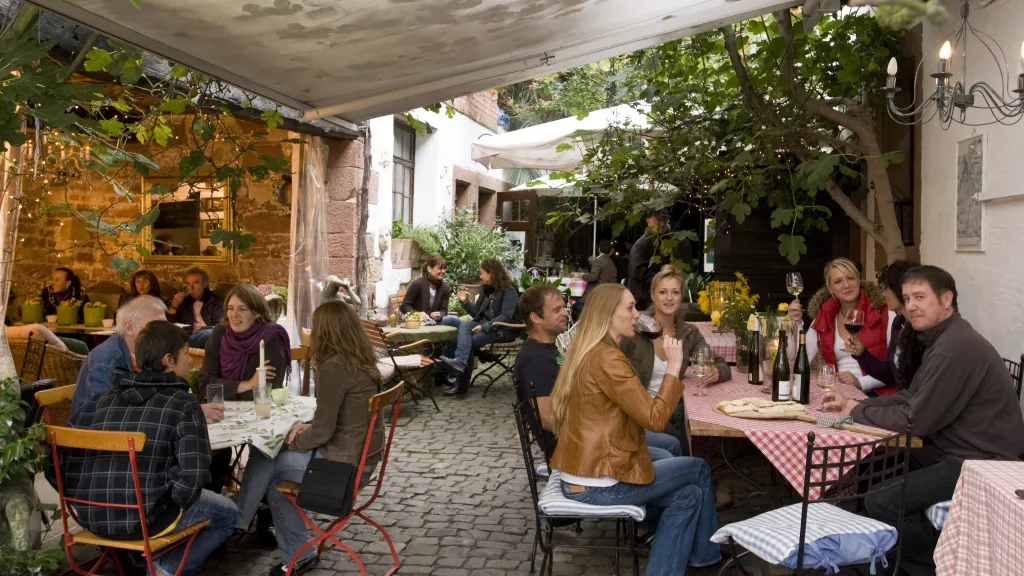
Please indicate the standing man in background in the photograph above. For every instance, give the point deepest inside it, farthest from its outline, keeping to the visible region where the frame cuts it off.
(641, 271)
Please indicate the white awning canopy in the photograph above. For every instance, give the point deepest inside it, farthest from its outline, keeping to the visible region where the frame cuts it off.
(545, 186)
(360, 59)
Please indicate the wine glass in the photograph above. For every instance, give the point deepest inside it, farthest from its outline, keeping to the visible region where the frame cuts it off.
(703, 362)
(826, 380)
(854, 321)
(794, 284)
(648, 327)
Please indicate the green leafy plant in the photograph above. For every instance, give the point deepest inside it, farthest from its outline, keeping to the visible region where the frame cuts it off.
(397, 227)
(193, 382)
(34, 562)
(464, 243)
(525, 281)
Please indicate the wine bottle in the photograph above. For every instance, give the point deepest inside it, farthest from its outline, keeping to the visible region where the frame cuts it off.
(780, 371)
(754, 356)
(802, 373)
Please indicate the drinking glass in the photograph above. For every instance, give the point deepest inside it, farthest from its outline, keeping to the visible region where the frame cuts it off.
(648, 327)
(703, 363)
(794, 284)
(215, 394)
(261, 395)
(826, 380)
(854, 321)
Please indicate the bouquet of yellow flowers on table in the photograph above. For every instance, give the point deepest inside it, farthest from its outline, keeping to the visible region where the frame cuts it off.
(729, 304)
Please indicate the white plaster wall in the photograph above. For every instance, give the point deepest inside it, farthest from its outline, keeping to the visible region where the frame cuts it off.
(990, 284)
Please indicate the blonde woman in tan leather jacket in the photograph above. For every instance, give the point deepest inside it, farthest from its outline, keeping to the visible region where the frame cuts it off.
(601, 409)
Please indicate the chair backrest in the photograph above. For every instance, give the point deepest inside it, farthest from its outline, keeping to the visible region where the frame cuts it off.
(1016, 372)
(377, 340)
(55, 404)
(33, 412)
(395, 300)
(390, 398)
(854, 471)
(32, 363)
(197, 355)
(526, 442)
(306, 338)
(102, 441)
(301, 357)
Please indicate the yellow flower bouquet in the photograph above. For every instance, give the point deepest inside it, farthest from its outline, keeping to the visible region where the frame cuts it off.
(730, 304)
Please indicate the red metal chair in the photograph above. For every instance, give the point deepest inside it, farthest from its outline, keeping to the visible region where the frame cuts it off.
(132, 443)
(391, 397)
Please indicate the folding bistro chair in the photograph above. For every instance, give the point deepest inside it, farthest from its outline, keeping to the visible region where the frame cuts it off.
(504, 353)
(1016, 372)
(32, 363)
(300, 356)
(55, 404)
(393, 370)
(33, 412)
(151, 547)
(820, 534)
(390, 398)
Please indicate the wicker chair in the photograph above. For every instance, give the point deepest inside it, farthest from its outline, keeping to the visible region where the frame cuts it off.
(60, 365)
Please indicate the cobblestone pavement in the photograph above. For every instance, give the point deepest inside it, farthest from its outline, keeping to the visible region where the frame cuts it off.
(456, 502)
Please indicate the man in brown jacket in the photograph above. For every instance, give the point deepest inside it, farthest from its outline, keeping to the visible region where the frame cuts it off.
(602, 271)
(961, 401)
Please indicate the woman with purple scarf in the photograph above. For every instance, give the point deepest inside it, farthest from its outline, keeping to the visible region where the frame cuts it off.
(233, 350)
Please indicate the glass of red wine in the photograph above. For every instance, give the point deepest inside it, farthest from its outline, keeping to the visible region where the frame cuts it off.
(854, 321)
(648, 327)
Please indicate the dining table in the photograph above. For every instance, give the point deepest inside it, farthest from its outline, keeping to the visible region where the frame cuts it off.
(436, 333)
(723, 343)
(984, 530)
(242, 426)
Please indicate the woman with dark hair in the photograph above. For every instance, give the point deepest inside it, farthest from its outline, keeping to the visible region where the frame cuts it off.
(429, 293)
(233, 349)
(63, 286)
(498, 301)
(903, 356)
(144, 282)
(346, 377)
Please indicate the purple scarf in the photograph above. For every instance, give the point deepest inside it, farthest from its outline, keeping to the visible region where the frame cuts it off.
(235, 349)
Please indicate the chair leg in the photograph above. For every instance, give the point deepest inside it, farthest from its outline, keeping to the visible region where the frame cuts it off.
(504, 370)
(533, 553)
(618, 541)
(387, 538)
(636, 551)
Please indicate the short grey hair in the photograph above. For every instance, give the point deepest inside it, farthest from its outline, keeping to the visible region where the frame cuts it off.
(132, 311)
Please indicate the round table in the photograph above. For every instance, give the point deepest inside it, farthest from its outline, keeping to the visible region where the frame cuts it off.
(436, 334)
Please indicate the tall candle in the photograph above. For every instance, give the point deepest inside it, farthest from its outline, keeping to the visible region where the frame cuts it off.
(262, 358)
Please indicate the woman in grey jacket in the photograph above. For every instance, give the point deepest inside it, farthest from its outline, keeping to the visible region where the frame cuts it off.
(648, 357)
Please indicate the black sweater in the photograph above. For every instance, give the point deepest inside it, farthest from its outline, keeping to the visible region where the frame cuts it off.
(417, 298)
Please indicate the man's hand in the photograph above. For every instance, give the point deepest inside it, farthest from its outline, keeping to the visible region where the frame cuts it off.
(477, 329)
(848, 378)
(213, 412)
(836, 402)
(295, 431)
(178, 299)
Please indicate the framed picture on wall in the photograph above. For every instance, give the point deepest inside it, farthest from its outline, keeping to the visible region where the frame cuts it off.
(212, 204)
(969, 205)
(209, 227)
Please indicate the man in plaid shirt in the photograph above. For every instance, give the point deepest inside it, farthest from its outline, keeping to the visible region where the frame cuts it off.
(174, 465)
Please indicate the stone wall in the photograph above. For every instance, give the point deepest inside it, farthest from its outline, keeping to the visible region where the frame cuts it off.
(481, 107)
(262, 209)
(345, 166)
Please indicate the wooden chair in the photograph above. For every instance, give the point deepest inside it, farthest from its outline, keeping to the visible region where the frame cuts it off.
(55, 404)
(389, 367)
(395, 300)
(301, 357)
(151, 548)
(1016, 372)
(197, 355)
(504, 353)
(378, 403)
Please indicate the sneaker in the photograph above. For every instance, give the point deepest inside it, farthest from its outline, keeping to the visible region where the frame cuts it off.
(453, 365)
(300, 567)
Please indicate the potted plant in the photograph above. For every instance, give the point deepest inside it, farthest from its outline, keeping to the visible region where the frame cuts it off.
(32, 311)
(94, 313)
(414, 320)
(67, 312)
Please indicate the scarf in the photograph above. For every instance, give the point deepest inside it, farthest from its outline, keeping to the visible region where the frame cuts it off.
(235, 349)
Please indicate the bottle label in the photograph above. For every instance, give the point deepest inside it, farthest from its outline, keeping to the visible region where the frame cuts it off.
(751, 380)
(796, 387)
(784, 389)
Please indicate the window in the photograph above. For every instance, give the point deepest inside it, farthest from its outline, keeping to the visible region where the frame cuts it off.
(514, 211)
(404, 168)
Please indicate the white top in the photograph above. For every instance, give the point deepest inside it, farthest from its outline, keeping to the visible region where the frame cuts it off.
(845, 362)
(602, 482)
(433, 294)
(657, 375)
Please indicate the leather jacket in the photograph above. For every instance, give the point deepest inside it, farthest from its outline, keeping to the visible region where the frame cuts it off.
(603, 430)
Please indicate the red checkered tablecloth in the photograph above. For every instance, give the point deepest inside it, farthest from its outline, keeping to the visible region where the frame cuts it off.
(783, 442)
(723, 343)
(984, 532)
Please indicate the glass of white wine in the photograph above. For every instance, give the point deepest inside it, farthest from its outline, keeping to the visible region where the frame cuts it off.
(702, 364)
(794, 284)
(826, 380)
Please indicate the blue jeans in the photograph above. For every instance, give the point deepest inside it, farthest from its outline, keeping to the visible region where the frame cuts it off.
(222, 514)
(261, 477)
(681, 493)
(665, 442)
(465, 345)
(198, 338)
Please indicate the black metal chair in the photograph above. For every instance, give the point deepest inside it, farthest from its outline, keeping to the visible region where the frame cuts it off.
(32, 363)
(846, 474)
(33, 413)
(625, 525)
(1016, 373)
(504, 353)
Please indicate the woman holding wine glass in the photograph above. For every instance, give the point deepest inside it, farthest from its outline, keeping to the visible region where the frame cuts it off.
(647, 352)
(847, 306)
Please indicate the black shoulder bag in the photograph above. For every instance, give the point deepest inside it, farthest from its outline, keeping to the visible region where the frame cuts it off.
(327, 487)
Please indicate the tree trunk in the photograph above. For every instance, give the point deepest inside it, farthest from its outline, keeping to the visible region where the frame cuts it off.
(362, 254)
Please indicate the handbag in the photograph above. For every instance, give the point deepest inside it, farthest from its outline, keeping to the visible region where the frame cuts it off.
(327, 487)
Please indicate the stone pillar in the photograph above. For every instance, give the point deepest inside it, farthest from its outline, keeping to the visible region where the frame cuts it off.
(344, 179)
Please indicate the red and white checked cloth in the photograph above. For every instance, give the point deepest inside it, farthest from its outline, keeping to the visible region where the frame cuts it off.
(783, 442)
(723, 343)
(984, 532)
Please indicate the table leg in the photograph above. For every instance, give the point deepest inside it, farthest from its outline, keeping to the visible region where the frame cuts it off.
(760, 490)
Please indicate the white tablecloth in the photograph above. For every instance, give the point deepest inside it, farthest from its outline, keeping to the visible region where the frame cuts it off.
(241, 426)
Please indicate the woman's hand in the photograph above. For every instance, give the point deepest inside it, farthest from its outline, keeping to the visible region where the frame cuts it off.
(673, 353)
(295, 431)
(463, 296)
(796, 310)
(436, 316)
(848, 378)
(854, 346)
(250, 384)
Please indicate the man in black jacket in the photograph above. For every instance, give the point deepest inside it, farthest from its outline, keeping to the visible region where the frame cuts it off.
(199, 307)
(962, 403)
(641, 272)
(173, 467)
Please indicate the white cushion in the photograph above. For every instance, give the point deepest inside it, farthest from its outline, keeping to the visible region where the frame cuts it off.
(386, 368)
(937, 514)
(554, 503)
(409, 361)
(542, 471)
(834, 537)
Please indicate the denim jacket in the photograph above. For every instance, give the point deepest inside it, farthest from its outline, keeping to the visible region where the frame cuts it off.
(97, 373)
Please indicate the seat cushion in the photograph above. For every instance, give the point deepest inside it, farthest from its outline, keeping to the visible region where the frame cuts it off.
(937, 514)
(554, 503)
(386, 368)
(834, 537)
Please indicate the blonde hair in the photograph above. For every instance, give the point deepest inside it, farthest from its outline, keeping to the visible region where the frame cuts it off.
(667, 272)
(844, 265)
(591, 330)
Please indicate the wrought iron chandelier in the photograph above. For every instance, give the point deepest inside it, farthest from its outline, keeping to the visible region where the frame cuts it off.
(951, 99)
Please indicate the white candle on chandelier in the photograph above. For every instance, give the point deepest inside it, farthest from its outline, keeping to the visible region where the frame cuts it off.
(945, 53)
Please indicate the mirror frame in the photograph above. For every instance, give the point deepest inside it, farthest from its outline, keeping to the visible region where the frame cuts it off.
(147, 203)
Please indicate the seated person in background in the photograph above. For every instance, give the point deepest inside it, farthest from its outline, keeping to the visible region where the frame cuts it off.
(963, 405)
(429, 293)
(346, 376)
(233, 350)
(538, 361)
(648, 357)
(602, 271)
(174, 466)
(600, 410)
(63, 286)
(275, 307)
(200, 308)
(842, 293)
(904, 354)
(143, 283)
(498, 302)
